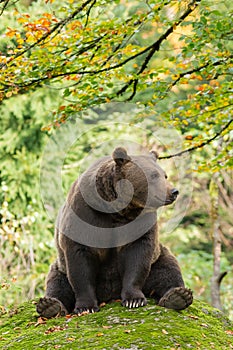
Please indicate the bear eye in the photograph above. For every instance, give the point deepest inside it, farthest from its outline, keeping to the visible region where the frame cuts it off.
(165, 175)
(154, 175)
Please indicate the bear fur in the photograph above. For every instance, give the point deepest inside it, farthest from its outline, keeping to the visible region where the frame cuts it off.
(107, 240)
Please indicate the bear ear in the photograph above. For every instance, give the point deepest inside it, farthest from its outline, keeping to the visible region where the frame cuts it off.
(154, 154)
(120, 156)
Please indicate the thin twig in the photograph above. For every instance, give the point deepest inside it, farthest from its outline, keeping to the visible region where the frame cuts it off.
(198, 69)
(221, 276)
(88, 13)
(202, 144)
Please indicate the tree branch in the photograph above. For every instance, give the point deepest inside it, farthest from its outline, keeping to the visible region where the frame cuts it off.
(195, 70)
(156, 46)
(6, 4)
(220, 277)
(150, 49)
(202, 144)
(88, 12)
(58, 25)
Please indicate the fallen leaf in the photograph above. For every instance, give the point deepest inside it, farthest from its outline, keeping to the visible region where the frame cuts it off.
(99, 334)
(13, 312)
(164, 331)
(229, 332)
(204, 325)
(107, 327)
(55, 329)
(127, 330)
(194, 317)
(40, 320)
(70, 339)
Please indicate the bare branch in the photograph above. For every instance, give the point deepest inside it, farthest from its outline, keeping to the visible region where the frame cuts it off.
(221, 276)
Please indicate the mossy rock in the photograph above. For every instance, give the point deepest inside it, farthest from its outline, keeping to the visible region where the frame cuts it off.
(114, 327)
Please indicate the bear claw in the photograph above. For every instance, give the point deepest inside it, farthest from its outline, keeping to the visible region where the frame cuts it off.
(89, 310)
(50, 307)
(134, 303)
(178, 298)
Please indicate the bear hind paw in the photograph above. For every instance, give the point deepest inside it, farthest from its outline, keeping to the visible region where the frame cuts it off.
(50, 307)
(178, 298)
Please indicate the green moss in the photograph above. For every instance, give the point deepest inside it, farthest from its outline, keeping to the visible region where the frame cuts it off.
(114, 327)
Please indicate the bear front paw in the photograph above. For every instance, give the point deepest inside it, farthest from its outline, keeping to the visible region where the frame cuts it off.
(85, 309)
(133, 303)
(132, 298)
(178, 298)
(50, 307)
(83, 306)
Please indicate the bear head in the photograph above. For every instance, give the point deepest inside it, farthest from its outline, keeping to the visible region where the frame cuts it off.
(124, 182)
(142, 175)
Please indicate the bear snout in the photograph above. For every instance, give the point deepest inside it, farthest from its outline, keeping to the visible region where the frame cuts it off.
(174, 193)
(171, 196)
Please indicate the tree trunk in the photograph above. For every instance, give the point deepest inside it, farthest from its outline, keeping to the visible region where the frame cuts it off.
(216, 237)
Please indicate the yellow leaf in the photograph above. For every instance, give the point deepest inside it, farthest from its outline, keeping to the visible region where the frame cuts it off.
(11, 33)
(68, 51)
(22, 20)
(9, 94)
(99, 334)
(20, 41)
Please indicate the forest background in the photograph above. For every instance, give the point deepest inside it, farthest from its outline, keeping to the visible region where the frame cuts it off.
(81, 77)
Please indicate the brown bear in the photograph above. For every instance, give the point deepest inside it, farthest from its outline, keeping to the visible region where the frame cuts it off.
(107, 240)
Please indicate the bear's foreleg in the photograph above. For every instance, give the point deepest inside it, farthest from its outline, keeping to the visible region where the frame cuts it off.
(82, 267)
(134, 261)
(165, 283)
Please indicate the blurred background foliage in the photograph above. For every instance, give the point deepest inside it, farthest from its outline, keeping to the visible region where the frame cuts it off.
(179, 111)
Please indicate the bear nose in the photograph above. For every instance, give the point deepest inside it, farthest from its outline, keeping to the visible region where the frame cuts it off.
(174, 192)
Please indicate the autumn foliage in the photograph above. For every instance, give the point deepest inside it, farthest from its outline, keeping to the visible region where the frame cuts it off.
(177, 55)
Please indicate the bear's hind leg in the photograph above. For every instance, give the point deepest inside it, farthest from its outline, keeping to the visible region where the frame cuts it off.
(59, 297)
(165, 283)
